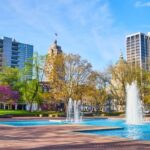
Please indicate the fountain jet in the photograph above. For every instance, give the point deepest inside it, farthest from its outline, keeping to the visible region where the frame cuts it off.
(134, 113)
(73, 111)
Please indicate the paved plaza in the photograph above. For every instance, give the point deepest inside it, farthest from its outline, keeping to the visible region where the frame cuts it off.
(62, 137)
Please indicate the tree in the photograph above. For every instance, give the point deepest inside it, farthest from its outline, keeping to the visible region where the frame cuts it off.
(67, 76)
(97, 89)
(56, 77)
(77, 72)
(31, 89)
(122, 74)
(10, 76)
(7, 95)
(145, 87)
(31, 92)
(118, 82)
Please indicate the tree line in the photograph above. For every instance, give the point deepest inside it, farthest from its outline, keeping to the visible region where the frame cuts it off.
(70, 76)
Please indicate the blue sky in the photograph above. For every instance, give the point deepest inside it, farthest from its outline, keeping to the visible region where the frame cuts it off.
(94, 29)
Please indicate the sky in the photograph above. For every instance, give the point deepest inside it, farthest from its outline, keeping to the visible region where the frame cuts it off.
(94, 29)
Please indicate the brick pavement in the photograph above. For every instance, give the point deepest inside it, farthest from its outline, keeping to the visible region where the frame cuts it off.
(62, 138)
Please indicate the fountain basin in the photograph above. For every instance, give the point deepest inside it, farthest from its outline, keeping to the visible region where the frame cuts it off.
(133, 132)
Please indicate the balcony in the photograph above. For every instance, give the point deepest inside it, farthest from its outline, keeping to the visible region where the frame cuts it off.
(14, 59)
(14, 43)
(14, 48)
(15, 52)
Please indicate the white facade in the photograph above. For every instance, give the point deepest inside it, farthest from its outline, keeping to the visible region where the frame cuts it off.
(33, 108)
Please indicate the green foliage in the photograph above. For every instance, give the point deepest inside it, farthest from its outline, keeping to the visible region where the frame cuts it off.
(23, 113)
(96, 89)
(10, 76)
(113, 113)
(77, 71)
(31, 91)
(123, 74)
(71, 76)
(56, 76)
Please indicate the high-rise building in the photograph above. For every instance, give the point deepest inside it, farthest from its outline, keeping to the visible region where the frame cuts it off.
(138, 50)
(15, 54)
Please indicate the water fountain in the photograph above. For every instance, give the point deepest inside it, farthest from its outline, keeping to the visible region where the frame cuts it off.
(134, 113)
(70, 110)
(73, 111)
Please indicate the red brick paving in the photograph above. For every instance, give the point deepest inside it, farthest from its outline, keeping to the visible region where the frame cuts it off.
(62, 138)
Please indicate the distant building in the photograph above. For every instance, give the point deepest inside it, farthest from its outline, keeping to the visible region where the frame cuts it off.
(54, 51)
(138, 50)
(15, 54)
(117, 104)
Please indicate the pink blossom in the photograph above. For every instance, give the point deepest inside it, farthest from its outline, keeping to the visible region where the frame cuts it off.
(7, 94)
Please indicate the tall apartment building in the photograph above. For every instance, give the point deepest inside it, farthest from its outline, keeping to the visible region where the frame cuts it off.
(138, 50)
(15, 54)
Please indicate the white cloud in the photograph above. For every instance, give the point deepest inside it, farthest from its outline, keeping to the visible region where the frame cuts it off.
(85, 27)
(142, 4)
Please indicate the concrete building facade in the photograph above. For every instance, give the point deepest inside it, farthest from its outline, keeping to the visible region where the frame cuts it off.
(15, 54)
(138, 50)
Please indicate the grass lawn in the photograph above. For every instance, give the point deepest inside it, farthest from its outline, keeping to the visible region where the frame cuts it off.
(24, 113)
(27, 113)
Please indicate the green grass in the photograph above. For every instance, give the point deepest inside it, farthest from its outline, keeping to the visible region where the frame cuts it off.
(23, 113)
(27, 113)
(113, 113)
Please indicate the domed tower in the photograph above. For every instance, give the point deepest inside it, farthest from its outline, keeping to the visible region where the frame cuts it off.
(119, 68)
(121, 61)
(118, 75)
(54, 49)
(54, 53)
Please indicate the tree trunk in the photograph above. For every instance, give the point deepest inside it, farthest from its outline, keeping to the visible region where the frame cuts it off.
(34, 95)
(30, 109)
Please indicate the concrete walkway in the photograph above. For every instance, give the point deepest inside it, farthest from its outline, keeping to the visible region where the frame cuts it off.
(62, 138)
